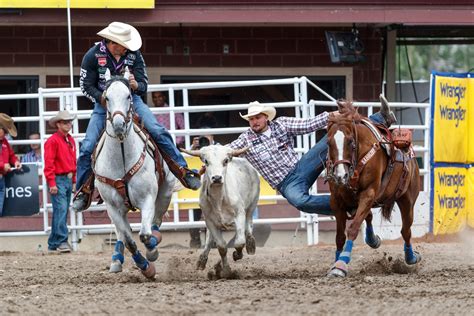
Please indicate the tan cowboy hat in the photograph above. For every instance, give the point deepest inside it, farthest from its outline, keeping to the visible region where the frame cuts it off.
(256, 108)
(123, 34)
(61, 116)
(6, 122)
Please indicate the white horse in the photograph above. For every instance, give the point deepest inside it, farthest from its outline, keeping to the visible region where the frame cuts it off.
(126, 178)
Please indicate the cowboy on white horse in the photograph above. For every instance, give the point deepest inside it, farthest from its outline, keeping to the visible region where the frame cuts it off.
(119, 49)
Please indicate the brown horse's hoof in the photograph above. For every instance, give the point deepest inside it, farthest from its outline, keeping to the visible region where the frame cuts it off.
(150, 271)
(339, 269)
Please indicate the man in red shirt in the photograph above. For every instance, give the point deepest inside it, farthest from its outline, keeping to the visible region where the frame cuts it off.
(60, 173)
(7, 156)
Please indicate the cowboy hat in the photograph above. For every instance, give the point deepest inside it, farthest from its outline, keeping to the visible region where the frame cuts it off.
(61, 116)
(256, 108)
(123, 34)
(6, 122)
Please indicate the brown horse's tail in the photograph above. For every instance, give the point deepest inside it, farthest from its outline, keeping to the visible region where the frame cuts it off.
(387, 210)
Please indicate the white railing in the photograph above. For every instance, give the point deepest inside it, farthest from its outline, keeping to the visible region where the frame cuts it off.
(303, 108)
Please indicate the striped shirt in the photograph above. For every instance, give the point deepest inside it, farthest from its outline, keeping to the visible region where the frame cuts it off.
(274, 157)
(31, 156)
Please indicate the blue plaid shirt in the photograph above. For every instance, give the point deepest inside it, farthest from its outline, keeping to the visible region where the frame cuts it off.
(274, 157)
(31, 157)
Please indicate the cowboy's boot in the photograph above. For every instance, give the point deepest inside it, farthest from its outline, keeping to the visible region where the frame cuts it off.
(83, 197)
(189, 178)
(388, 115)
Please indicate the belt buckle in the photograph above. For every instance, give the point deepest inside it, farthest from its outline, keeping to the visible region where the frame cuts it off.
(69, 175)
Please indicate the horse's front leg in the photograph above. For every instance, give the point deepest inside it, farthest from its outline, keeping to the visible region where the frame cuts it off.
(366, 199)
(150, 234)
(339, 268)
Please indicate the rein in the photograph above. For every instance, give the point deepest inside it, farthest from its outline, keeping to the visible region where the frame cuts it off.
(128, 116)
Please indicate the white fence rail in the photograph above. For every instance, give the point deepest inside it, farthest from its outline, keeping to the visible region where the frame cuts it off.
(68, 99)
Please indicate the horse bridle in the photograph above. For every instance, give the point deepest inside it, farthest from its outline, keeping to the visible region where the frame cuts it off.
(331, 166)
(129, 115)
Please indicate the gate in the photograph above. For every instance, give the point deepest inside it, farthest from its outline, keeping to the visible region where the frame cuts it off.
(67, 98)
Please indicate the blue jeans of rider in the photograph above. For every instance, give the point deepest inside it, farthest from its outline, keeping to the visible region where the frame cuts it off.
(97, 123)
(295, 186)
(2, 193)
(60, 201)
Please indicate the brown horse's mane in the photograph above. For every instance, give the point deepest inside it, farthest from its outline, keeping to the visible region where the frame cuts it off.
(348, 114)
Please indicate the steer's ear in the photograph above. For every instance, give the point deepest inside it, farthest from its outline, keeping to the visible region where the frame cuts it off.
(238, 152)
(195, 153)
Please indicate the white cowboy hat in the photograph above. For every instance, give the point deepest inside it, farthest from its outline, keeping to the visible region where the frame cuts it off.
(256, 108)
(61, 116)
(123, 34)
(6, 122)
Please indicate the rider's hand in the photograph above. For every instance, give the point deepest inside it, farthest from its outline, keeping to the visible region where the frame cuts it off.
(133, 82)
(18, 164)
(7, 167)
(53, 190)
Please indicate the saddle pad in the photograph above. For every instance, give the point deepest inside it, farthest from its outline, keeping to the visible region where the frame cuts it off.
(384, 142)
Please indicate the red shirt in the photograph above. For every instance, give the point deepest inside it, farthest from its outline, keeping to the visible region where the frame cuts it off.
(7, 155)
(59, 157)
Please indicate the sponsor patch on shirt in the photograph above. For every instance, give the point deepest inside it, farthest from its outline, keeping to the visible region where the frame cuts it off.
(102, 61)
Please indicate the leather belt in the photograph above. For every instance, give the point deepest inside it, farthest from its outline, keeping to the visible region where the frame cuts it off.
(67, 174)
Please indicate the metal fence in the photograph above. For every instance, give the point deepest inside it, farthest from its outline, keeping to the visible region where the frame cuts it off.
(68, 99)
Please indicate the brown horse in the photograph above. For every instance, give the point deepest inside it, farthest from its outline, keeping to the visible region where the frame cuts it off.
(361, 175)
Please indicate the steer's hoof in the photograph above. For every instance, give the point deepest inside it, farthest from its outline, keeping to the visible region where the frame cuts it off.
(150, 271)
(237, 255)
(339, 269)
(115, 267)
(201, 263)
(250, 244)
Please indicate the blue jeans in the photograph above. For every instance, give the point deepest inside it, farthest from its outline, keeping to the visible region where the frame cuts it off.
(97, 123)
(2, 194)
(61, 200)
(295, 186)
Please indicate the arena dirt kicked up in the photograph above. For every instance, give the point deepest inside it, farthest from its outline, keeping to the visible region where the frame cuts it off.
(276, 281)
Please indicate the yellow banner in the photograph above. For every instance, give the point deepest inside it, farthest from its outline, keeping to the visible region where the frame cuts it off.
(196, 163)
(78, 4)
(470, 197)
(470, 118)
(450, 200)
(451, 119)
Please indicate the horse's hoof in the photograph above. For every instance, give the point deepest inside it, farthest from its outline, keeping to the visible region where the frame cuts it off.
(250, 244)
(375, 243)
(237, 255)
(150, 271)
(152, 255)
(414, 260)
(339, 270)
(201, 263)
(115, 267)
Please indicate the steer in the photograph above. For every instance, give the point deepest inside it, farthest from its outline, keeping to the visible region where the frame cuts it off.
(229, 195)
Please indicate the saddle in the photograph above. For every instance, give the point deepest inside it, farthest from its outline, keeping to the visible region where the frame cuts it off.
(397, 144)
(121, 185)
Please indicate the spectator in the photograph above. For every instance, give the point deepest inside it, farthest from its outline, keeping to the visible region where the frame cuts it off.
(34, 155)
(159, 101)
(7, 156)
(60, 173)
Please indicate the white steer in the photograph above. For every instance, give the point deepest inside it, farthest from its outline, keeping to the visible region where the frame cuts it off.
(229, 195)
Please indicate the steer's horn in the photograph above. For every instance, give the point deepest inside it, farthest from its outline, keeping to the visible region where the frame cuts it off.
(238, 152)
(196, 153)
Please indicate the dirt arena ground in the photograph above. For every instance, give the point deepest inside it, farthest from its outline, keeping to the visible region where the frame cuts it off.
(276, 281)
